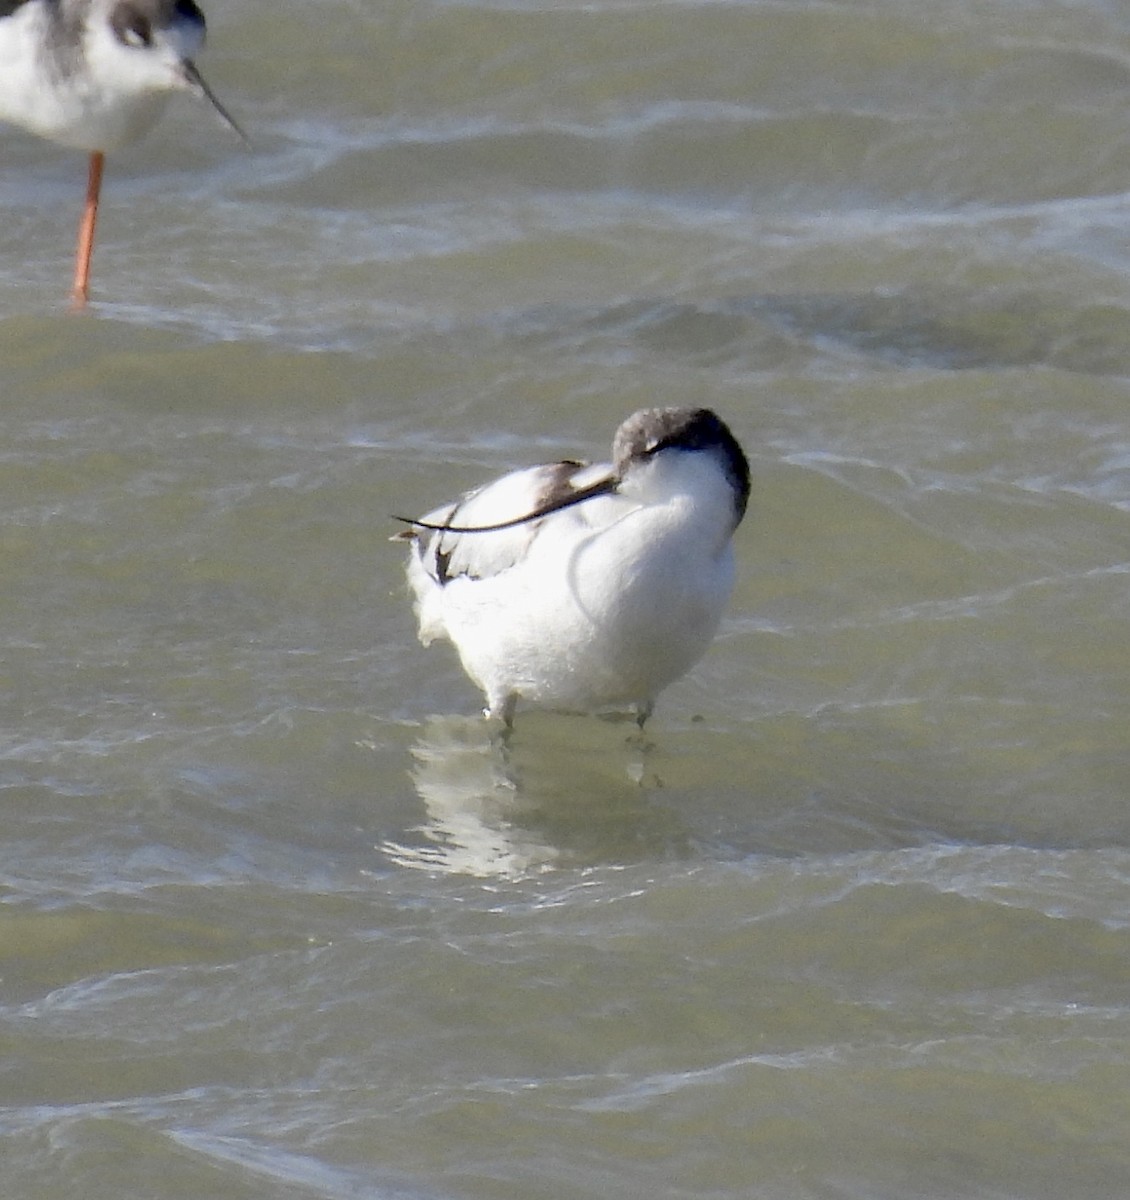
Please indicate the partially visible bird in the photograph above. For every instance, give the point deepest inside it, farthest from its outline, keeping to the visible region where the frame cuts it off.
(96, 75)
(588, 587)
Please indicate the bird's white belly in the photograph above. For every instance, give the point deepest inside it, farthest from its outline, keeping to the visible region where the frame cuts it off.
(81, 116)
(610, 620)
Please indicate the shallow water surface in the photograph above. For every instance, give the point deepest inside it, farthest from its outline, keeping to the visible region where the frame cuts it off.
(852, 918)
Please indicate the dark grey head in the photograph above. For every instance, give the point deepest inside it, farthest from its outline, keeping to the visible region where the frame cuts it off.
(643, 434)
(134, 22)
(651, 430)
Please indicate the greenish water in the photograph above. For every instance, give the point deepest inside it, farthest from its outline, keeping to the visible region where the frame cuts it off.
(279, 919)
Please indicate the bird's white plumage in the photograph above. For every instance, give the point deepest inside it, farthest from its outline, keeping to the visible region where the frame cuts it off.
(484, 555)
(68, 76)
(600, 604)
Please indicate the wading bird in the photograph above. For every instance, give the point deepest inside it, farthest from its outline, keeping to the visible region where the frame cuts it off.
(96, 75)
(587, 587)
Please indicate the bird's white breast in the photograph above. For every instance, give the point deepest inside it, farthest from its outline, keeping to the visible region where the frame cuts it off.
(611, 600)
(98, 95)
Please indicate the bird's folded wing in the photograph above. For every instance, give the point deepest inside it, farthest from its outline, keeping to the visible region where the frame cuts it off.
(445, 555)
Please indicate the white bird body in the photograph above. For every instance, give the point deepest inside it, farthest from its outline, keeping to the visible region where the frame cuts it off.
(610, 589)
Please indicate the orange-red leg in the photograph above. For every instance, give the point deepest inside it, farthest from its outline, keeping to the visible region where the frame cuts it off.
(80, 293)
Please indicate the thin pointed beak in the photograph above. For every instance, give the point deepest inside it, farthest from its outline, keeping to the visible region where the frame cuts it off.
(602, 487)
(198, 87)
